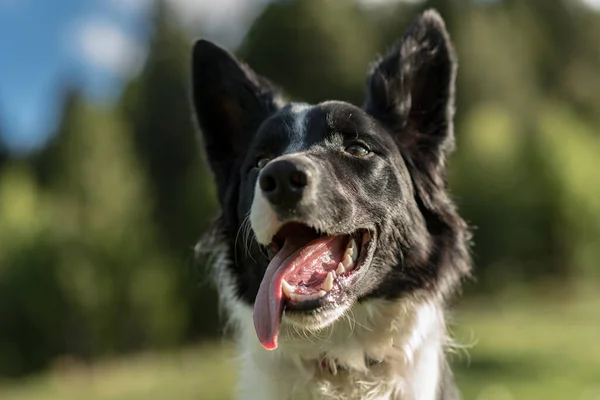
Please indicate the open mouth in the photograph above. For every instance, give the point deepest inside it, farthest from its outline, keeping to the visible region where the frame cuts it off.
(307, 270)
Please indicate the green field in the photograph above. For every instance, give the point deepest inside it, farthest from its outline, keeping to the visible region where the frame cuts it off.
(519, 351)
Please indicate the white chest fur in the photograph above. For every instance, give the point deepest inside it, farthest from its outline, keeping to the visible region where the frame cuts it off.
(406, 339)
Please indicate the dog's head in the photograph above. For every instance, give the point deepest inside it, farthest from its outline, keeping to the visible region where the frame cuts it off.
(329, 204)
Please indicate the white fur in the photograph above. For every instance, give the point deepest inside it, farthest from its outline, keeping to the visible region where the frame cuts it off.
(263, 218)
(407, 337)
(299, 112)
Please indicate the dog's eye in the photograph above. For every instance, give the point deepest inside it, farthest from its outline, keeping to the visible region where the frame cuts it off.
(357, 150)
(262, 162)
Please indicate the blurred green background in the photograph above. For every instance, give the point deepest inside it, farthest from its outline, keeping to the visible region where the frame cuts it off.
(100, 296)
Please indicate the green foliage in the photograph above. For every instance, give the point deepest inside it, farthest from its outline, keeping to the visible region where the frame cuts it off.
(313, 56)
(158, 111)
(104, 222)
(31, 304)
(571, 148)
(83, 271)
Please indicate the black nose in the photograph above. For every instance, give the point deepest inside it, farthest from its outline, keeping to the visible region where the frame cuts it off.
(284, 182)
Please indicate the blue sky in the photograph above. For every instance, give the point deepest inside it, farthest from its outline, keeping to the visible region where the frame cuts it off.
(42, 45)
(96, 43)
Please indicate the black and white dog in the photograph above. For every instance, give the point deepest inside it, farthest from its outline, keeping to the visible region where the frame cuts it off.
(338, 244)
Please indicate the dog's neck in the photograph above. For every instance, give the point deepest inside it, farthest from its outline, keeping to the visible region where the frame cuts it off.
(383, 350)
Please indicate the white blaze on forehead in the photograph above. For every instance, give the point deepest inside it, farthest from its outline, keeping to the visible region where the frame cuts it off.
(299, 112)
(263, 218)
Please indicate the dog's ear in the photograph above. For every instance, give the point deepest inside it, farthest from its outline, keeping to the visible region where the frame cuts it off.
(411, 92)
(230, 101)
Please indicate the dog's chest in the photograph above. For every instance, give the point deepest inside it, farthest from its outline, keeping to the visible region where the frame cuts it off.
(374, 362)
(380, 382)
(307, 384)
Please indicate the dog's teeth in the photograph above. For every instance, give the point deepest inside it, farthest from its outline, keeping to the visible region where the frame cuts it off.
(328, 282)
(295, 297)
(306, 297)
(352, 250)
(350, 245)
(348, 263)
(340, 269)
(288, 289)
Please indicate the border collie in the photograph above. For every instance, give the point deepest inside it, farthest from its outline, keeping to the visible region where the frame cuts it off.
(338, 244)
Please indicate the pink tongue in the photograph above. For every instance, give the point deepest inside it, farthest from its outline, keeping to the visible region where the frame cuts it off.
(268, 306)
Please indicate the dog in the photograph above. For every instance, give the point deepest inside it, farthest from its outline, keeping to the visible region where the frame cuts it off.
(338, 246)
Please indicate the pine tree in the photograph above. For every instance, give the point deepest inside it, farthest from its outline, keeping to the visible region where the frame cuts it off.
(50, 163)
(157, 105)
(111, 265)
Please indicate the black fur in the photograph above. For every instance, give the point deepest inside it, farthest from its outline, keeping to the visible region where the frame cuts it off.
(398, 191)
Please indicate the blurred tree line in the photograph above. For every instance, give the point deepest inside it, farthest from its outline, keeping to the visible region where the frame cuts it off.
(97, 229)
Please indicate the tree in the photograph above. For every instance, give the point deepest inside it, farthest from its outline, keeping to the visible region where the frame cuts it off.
(4, 154)
(167, 145)
(310, 54)
(50, 163)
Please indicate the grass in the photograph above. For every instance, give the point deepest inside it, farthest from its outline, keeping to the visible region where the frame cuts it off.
(201, 373)
(530, 351)
(522, 351)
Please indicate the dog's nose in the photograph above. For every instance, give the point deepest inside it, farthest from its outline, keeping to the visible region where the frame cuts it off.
(284, 182)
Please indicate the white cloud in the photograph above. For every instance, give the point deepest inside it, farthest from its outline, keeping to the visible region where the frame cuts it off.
(210, 12)
(214, 12)
(105, 45)
(224, 20)
(595, 4)
(227, 20)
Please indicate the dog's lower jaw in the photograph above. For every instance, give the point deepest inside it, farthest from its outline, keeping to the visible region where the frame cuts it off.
(406, 337)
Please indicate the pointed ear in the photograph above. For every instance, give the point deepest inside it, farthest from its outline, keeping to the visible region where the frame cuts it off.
(411, 91)
(230, 101)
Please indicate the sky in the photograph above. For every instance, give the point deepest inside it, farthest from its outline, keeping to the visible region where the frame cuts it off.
(42, 44)
(98, 44)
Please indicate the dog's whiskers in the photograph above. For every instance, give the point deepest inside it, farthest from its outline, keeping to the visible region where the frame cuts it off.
(237, 236)
(351, 322)
(355, 322)
(246, 230)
